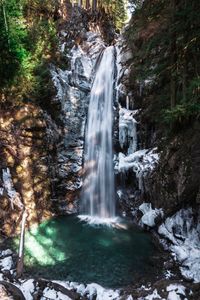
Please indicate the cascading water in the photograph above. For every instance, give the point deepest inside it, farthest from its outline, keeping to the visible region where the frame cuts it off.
(98, 195)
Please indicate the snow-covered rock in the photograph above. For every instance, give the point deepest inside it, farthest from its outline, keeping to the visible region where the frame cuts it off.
(101, 293)
(175, 291)
(6, 263)
(149, 214)
(152, 296)
(27, 287)
(184, 237)
(6, 252)
(52, 294)
(178, 288)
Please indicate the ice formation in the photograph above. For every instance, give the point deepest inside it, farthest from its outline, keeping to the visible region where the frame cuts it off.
(127, 129)
(149, 214)
(141, 162)
(184, 240)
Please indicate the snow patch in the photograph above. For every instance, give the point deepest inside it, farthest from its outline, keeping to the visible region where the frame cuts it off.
(168, 274)
(129, 297)
(52, 294)
(178, 288)
(6, 263)
(149, 214)
(152, 296)
(6, 252)
(101, 293)
(175, 292)
(173, 296)
(27, 287)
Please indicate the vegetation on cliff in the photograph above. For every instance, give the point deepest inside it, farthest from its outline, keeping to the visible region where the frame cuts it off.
(29, 42)
(165, 40)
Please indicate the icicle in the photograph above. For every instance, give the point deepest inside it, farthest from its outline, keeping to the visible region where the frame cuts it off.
(127, 102)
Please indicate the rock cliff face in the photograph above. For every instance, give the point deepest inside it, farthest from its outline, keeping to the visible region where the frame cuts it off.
(25, 152)
(42, 142)
(177, 176)
(173, 183)
(158, 181)
(82, 42)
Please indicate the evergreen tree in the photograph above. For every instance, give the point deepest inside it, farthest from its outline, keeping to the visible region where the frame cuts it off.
(12, 39)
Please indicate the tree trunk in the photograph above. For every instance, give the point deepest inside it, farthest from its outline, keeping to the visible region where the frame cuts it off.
(173, 57)
(87, 5)
(20, 262)
(5, 21)
(94, 4)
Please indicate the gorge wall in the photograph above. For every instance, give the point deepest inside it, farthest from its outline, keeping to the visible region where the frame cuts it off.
(156, 165)
(42, 140)
(158, 162)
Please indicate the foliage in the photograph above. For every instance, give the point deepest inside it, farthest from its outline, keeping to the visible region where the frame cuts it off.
(165, 39)
(27, 39)
(117, 10)
(181, 113)
(12, 40)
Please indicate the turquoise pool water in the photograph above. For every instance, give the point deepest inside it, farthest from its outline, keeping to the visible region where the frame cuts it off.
(66, 248)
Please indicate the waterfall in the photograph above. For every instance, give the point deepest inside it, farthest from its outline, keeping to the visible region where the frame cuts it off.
(98, 188)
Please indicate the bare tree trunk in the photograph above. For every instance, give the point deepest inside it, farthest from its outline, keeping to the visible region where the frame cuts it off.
(87, 5)
(94, 4)
(184, 79)
(20, 262)
(5, 21)
(173, 57)
(172, 92)
(4, 16)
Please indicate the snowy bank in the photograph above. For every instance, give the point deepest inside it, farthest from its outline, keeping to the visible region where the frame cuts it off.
(184, 241)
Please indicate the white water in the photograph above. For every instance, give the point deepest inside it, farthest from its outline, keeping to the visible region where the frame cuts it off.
(98, 196)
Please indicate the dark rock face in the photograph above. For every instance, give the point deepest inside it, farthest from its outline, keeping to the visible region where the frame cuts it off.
(164, 195)
(175, 183)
